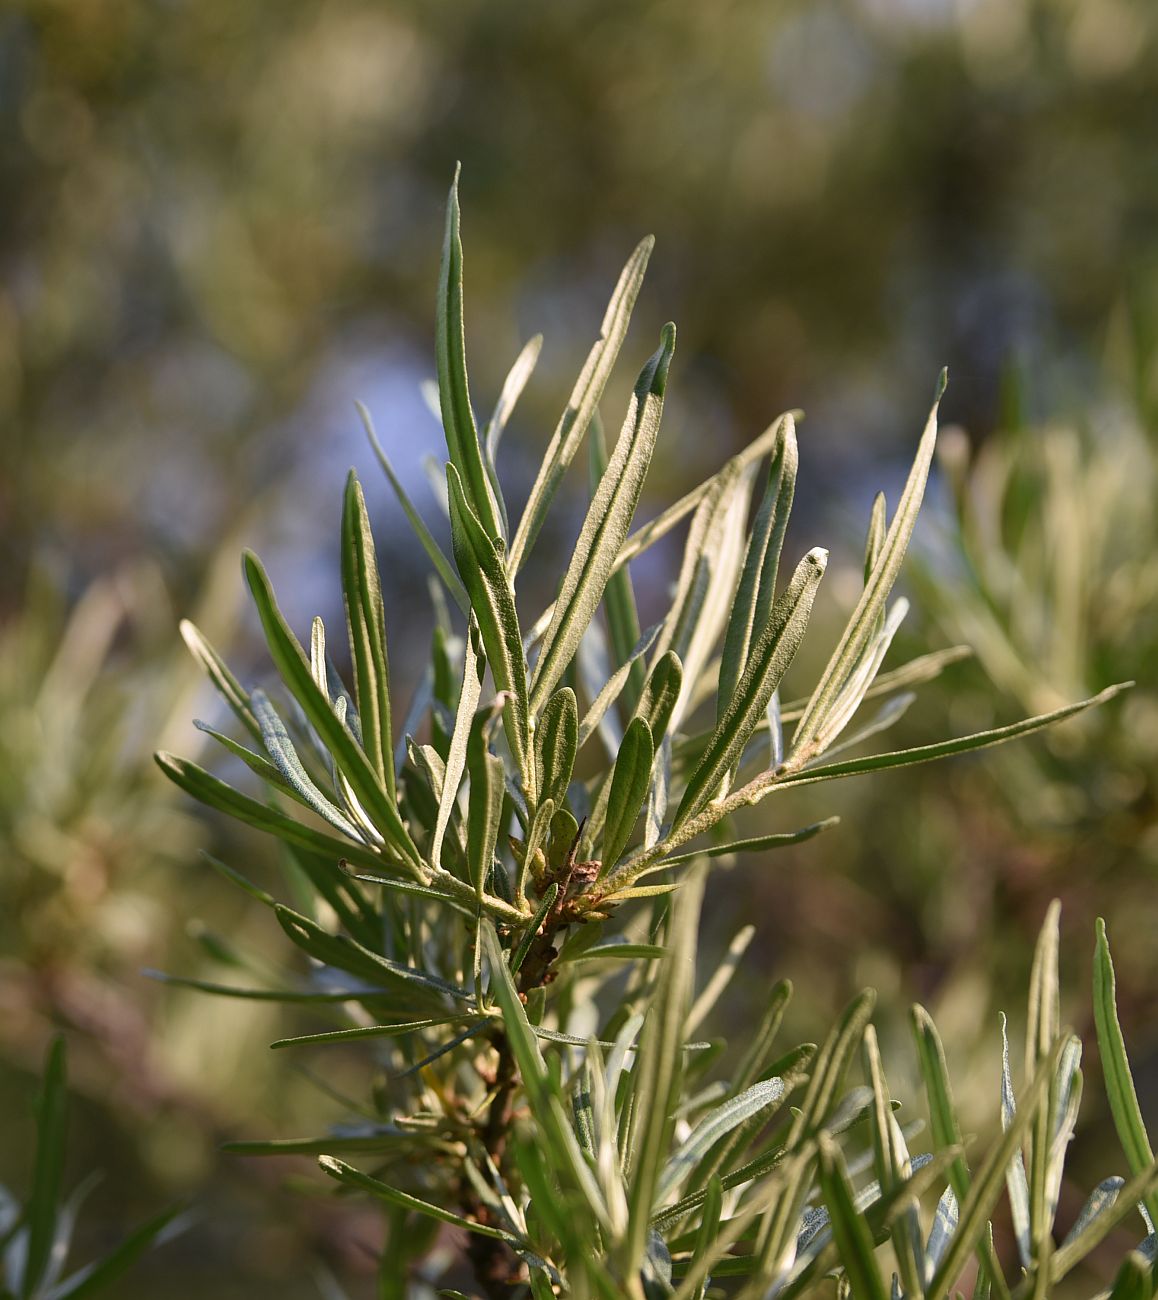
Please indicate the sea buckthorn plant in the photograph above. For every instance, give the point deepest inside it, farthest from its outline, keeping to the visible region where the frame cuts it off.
(499, 897)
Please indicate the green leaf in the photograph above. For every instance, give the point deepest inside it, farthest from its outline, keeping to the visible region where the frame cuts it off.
(373, 1031)
(366, 624)
(829, 1066)
(1043, 1026)
(616, 684)
(708, 1233)
(619, 595)
(512, 390)
(758, 844)
(863, 624)
(94, 1278)
(1016, 1180)
(875, 540)
(605, 527)
(582, 406)
(453, 392)
(344, 953)
(270, 995)
(629, 783)
(285, 757)
(484, 802)
(650, 533)
(437, 557)
(946, 748)
(748, 1105)
(481, 564)
(946, 1131)
(41, 1212)
(1098, 1227)
(767, 664)
(752, 606)
(348, 1176)
(556, 744)
(853, 1240)
(658, 701)
(1120, 1089)
(468, 698)
(257, 763)
(618, 950)
(215, 793)
(365, 783)
(709, 572)
(216, 669)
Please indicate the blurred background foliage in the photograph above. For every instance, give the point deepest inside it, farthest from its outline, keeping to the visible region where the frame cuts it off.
(221, 225)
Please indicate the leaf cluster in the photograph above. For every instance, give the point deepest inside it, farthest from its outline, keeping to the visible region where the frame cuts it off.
(501, 895)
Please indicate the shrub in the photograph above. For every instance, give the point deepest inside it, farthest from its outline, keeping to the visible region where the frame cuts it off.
(503, 903)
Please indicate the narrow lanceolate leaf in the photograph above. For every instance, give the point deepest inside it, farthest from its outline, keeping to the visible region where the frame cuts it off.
(43, 1202)
(468, 697)
(749, 1105)
(605, 528)
(629, 783)
(709, 573)
(285, 757)
(1120, 1089)
(863, 623)
(619, 595)
(584, 400)
(485, 803)
(1042, 1028)
(829, 1066)
(850, 1229)
(757, 590)
(217, 794)
(767, 664)
(758, 844)
(480, 562)
(512, 390)
(616, 684)
(366, 622)
(437, 557)
(1043, 1024)
(364, 780)
(947, 1133)
(708, 1233)
(1016, 1180)
(453, 391)
(216, 669)
(875, 540)
(556, 743)
(351, 1177)
(947, 748)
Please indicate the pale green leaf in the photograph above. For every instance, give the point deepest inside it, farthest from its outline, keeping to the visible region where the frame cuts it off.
(458, 423)
(584, 400)
(767, 664)
(605, 527)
